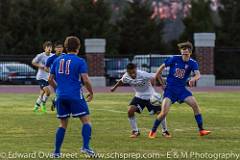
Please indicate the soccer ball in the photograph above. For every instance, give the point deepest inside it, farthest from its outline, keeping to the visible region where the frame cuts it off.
(156, 99)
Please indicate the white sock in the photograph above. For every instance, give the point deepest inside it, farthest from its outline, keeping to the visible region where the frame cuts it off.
(39, 100)
(164, 125)
(45, 98)
(133, 123)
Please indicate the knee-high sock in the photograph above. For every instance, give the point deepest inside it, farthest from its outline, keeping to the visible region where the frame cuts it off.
(45, 98)
(39, 101)
(199, 121)
(164, 125)
(156, 123)
(59, 139)
(86, 134)
(133, 123)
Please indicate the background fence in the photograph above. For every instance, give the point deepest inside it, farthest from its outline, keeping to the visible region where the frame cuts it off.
(17, 69)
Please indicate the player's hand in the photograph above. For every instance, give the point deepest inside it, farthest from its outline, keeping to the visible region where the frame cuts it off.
(192, 82)
(89, 97)
(112, 89)
(46, 69)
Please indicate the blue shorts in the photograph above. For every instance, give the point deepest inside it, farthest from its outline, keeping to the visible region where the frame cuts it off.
(176, 94)
(74, 107)
(43, 83)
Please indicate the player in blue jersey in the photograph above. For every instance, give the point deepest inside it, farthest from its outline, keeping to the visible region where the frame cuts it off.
(65, 78)
(58, 47)
(175, 90)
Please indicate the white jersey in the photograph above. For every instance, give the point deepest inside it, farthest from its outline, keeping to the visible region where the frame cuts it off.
(141, 84)
(42, 59)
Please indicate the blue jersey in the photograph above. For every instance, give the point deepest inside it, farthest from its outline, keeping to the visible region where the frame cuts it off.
(67, 70)
(51, 59)
(179, 70)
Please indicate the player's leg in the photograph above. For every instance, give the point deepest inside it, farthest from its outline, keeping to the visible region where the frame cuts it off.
(60, 133)
(79, 109)
(132, 120)
(165, 109)
(157, 110)
(86, 131)
(45, 97)
(39, 99)
(136, 105)
(63, 113)
(53, 106)
(165, 132)
(192, 102)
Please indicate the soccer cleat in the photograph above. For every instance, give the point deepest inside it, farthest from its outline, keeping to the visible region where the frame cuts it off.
(89, 152)
(36, 107)
(135, 134)
(166, 134)
(53, 106)
(44, 108)
(56, 155)
(204, 132)
(152, 134)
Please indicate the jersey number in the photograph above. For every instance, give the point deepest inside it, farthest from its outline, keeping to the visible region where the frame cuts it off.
(67, 66)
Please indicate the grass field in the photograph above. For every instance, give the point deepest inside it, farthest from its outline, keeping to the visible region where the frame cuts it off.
(23, 131)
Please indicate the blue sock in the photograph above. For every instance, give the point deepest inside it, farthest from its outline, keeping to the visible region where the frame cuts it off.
(156, 124)
(86, 134)
(59, 139)
(199, 121)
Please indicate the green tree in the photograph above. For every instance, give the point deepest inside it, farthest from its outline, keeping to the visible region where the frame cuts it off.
(4, 33)
(138, 33)
(228, 32)
(89, 19)
(28, 24)
(199, 19)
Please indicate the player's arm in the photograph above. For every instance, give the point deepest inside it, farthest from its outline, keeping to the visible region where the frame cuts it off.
(158, 75)
(35, 62)
(119, 83)
(88, 86)
(52, 82)
(195, 78)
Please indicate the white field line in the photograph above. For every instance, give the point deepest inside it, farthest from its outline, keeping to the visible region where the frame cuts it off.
(109, 110)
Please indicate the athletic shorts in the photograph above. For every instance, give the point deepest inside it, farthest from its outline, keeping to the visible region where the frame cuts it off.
(71, 107)
(141, 104)
(176, 94)
(42, 83)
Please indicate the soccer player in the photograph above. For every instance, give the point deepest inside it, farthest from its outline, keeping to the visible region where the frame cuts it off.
(58, 47)
(42, 76)
(175, 90)
(141, 82)
(65, 78)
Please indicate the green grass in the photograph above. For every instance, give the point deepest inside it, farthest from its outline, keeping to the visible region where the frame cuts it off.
(23, 131)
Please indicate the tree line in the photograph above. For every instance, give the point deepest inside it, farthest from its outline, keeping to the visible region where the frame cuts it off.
(26, 24)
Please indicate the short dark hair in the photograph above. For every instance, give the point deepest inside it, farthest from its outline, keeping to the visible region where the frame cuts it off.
(47, 44)
(58, 43)
(186, 44)
(72, 44)
(131, 66)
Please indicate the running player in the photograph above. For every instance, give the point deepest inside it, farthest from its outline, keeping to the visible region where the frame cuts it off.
(65, 78)
(42, 76)
(58, 47)
(175, 90)
(141, 82)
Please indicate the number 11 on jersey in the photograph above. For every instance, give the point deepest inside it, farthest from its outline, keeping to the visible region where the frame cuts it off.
(63, 65)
